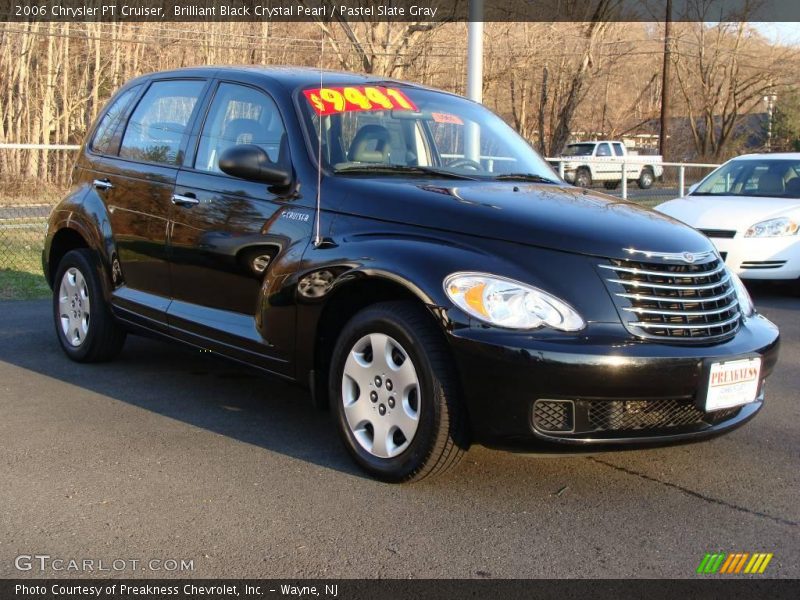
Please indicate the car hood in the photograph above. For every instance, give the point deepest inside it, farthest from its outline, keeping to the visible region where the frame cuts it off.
(553, 216)
(727, 212)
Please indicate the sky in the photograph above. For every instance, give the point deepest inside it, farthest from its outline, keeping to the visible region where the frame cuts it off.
(786, 33)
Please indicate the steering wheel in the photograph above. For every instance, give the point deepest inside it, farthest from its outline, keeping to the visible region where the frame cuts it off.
(466, 163)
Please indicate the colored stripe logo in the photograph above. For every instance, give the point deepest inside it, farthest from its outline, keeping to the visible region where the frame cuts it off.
(735, 563)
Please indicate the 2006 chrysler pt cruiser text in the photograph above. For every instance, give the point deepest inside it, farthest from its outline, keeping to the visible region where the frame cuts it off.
(408, 257)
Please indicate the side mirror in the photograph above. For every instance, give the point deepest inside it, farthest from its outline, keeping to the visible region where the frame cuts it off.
(250, 162)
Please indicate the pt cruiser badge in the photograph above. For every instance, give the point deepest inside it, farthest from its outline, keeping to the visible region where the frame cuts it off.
(405, 255)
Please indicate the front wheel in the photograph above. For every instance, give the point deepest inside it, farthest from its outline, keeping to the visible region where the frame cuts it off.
(395, 394)
(84, 324)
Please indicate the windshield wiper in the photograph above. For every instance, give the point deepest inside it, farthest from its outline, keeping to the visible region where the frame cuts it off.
(524, 177)
(403, 169)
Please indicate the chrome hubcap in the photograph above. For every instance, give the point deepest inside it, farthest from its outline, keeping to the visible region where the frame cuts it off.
(381, 395)
(73, 306)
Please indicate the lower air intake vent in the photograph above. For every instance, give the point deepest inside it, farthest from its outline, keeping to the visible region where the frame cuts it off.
(632, 415)
(554, 415)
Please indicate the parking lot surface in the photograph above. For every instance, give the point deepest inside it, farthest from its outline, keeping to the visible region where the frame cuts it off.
(170, 454)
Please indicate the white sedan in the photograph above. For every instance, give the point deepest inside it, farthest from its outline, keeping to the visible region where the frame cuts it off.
(750, 209)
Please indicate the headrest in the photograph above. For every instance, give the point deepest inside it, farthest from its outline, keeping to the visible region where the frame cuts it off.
(793, 187)
(370, 144)
(770, 184)
(239, 128)
(165, 131)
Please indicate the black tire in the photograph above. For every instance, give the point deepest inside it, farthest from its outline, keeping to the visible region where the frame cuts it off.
(442, 433)
(611, 185)
(104, 337)
(583, 177)
(646, 179)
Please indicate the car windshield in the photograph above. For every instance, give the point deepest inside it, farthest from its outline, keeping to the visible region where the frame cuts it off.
(763, 177)
(578, 150)
(390, 129)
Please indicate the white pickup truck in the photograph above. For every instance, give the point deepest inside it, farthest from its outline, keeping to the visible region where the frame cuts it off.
(601, 161)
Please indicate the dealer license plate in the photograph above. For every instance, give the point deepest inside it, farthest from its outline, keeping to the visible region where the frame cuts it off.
(733, 383)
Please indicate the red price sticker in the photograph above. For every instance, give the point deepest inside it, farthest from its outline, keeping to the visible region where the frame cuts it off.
(446, 118)
(329, 101)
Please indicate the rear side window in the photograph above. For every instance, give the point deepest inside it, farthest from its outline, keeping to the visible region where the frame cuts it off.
(618, 150)
(156, 128)
(241, 115)
(108, 124)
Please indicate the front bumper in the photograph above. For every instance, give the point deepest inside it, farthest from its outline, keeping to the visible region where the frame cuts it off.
(761, 258)
(622, 390)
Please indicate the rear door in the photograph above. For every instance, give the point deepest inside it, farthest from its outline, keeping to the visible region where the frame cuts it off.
(138, 185)
(234, 242)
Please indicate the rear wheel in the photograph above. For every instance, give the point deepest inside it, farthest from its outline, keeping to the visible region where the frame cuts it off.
(84, 325)
(646, 178)
(395, 394)
(583, 178)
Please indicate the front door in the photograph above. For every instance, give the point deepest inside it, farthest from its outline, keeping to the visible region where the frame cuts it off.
(233, 242)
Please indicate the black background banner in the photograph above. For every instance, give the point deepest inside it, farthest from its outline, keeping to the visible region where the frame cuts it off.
(395, 10)
(394, 589)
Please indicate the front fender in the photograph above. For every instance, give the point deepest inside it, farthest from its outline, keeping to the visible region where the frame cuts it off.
(382, 266)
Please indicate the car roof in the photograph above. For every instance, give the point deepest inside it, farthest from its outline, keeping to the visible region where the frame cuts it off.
(289, 76)
(763, 155)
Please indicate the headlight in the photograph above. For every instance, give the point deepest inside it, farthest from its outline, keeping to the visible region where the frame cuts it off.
(772, 228)
(742, 295)
(507, 303)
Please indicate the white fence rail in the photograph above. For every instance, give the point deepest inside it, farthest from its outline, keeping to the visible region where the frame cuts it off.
(39, 147)
(624, 165)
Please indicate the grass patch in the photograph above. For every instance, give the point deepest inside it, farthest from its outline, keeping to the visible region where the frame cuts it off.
(21, 262)
(22, 285)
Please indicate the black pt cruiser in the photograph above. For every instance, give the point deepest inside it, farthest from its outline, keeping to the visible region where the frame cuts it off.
(408, 257)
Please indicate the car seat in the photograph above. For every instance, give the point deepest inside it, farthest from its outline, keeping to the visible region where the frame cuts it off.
(370, 145)
(770, 184)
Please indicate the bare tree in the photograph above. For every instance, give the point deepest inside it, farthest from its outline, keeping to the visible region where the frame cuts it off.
(723, 71)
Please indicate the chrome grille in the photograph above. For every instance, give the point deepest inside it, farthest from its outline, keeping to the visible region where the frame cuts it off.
(675, 300)
(718, 233)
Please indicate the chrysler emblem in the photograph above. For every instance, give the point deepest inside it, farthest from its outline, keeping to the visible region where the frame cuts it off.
(688, 257)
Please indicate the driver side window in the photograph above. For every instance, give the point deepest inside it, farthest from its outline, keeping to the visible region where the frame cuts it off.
(241, 115)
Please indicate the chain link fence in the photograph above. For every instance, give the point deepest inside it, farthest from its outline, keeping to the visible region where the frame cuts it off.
(33, 178)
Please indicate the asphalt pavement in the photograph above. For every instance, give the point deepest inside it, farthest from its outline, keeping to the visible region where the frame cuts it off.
(170, 454)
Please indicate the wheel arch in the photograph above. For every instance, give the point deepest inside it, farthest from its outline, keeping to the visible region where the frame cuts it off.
(350, 295)
(64, 240)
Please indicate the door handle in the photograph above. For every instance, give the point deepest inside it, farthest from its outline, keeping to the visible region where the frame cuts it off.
(102, 184)
(184, 200)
